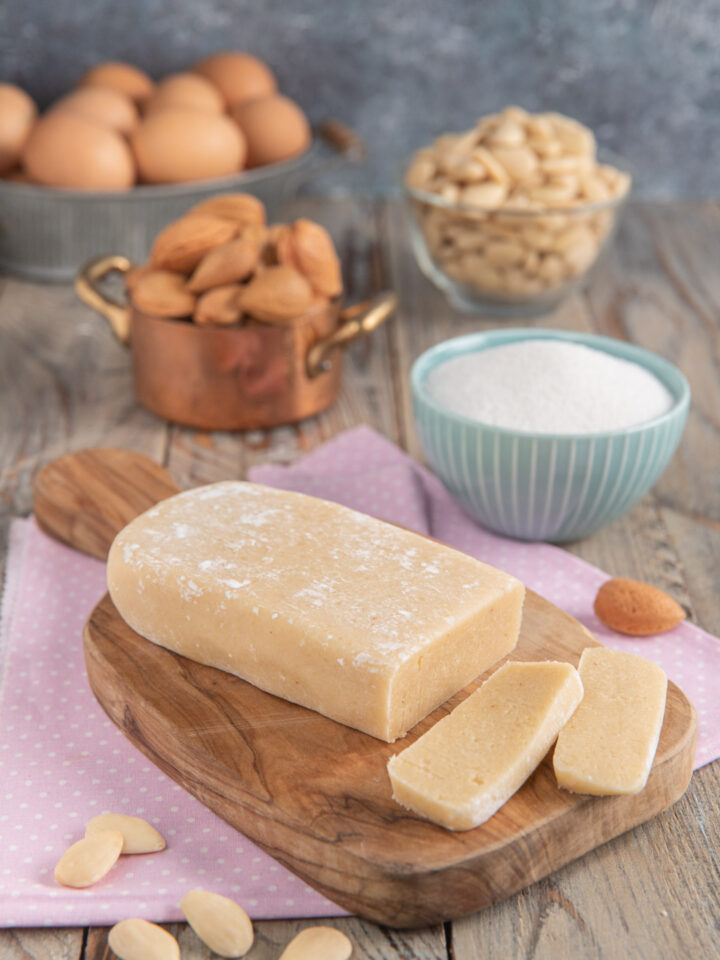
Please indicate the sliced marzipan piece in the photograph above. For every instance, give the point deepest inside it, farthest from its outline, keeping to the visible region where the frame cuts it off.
(139, 836)
(88, 860)
(136, 939)
(219, 922)
(318, 943)
(471, 762)
(609, 744)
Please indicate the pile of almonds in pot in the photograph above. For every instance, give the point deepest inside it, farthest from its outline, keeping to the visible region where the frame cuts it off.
(221, 264)
(523, 206)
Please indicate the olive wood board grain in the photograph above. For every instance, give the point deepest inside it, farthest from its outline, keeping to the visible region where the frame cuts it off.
(313, 793)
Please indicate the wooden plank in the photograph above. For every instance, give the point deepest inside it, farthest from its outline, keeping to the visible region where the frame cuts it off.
(41, 944)
(66, 385)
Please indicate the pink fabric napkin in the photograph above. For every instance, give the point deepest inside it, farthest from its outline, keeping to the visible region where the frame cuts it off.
(62, 761)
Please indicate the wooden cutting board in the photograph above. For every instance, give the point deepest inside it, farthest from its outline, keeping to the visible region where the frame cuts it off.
(315, 794)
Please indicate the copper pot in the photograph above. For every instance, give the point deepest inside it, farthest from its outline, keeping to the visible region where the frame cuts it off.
(232, 378)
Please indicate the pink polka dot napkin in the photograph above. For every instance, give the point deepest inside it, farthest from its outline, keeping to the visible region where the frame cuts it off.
(62, 761)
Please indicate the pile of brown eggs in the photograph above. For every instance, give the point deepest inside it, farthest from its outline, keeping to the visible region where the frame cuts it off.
(221, 264)
(118, 127)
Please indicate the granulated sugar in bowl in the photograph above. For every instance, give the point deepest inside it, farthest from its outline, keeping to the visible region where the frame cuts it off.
(549, 386)
(545, 434)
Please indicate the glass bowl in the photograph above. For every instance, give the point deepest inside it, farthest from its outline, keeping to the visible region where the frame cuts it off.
(507, 261)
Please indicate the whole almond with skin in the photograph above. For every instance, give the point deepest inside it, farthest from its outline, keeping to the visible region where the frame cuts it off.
(221, 306)
(228, 263)
(88, 860)
(182, 244)
(138, 835)
(219, 922)
(636, 608)
(240, 208)
(133, 275)
(277, 295)
(318, 943)
(136, 939)
(308, 247)
(162, 293)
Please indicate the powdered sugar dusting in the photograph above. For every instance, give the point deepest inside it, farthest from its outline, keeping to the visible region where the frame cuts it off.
(341, 579)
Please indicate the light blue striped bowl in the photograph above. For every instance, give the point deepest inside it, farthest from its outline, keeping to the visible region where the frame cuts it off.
(534, 486)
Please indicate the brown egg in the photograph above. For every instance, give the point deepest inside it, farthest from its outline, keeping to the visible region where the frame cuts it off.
(174, 145)
(121, 77)
(238, 76)
(275, 129)
(188, 91)
(66, 150)
(17, 116)
(103, 106)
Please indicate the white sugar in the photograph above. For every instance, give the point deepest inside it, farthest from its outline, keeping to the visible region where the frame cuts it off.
(548, 386)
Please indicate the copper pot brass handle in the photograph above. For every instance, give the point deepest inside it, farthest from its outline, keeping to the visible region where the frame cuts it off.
(87, 288)
(355, 322)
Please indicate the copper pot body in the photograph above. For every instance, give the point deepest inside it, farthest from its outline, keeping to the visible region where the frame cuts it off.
(246, 377)
(231, 378)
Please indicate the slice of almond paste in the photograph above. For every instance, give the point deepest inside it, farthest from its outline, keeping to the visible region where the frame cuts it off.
(609, 745)
(365, 622)
(471, 762)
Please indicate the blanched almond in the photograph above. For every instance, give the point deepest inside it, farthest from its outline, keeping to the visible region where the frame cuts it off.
(183, 244)
(487, 195)
(318, 943)
(241, 208)
(219, 922)
(88, 860)
(277, 295)
(308, 247)
(162, 293)
(221, 306)
(138, 835)
(227, 263)
(520, 162)
(136, 939)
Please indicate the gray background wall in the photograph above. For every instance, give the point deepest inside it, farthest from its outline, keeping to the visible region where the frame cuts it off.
(645, 75)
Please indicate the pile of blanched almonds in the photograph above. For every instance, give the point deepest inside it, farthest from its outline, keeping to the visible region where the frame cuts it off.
(523, 206)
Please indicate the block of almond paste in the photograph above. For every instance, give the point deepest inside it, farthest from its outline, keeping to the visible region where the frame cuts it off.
(367, 623)
(471, 762)
(609, 744)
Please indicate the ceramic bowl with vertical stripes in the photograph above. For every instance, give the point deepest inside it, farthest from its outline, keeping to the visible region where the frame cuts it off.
(535, 486)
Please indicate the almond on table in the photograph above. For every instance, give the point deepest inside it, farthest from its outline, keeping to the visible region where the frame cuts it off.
(636, 608)
(136, 939)
(318, 943)
(138, 835)
(88, 860)
(219, 922)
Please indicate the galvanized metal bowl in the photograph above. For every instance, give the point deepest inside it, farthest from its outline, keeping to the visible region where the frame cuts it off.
(46, 234)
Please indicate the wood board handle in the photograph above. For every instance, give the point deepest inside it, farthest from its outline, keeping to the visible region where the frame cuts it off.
(85, 498)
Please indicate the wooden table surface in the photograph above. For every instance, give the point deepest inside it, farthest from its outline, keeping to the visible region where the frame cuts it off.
(65, 384)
